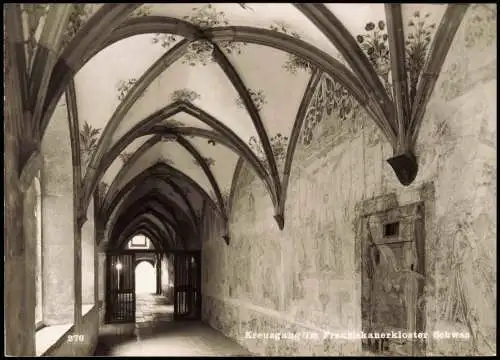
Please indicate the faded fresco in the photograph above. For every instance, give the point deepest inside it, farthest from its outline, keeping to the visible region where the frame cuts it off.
(185, 137)
(307, 278)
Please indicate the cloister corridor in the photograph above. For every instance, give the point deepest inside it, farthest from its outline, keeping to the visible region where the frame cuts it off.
(250, 179)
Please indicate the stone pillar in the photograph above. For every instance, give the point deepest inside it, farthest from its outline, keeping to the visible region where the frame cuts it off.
(88, 246)
(158, 273)
(97, 269)
(59, 227)
(30, 240)
(101, 293)
(77, 275)
(19, 333)
(99, 259)
(102, 276)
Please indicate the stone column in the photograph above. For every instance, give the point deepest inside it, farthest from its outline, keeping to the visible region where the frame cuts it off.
(88, 246)
(101, 292)
(99, 258)
(97, 269)
(158, 273)
(59, 228)
(30, 240)
(19, 333)
(18, 339)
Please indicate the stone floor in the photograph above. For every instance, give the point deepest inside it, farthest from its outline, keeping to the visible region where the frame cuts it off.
(155, 333)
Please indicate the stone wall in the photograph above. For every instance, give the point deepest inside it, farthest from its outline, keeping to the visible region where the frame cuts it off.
(305, 278)
(458, 153)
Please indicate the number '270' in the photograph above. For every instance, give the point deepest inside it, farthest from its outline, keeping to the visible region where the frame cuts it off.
(76, 338)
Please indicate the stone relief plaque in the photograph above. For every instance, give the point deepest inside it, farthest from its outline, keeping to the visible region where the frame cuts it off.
(392, 276)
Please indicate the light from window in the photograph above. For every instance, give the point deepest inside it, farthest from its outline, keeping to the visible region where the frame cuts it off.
(139, 242)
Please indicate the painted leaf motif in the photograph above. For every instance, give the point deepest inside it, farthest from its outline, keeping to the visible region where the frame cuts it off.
(124, 86)
(172, 123)
(331, 100)
(376, 46)
(165, 40)
(78, 17)
(293, 64)
(417, 44)
(208, 160)
(200, 52)
(125, 157)
(144, 10)
(258, 98)
(184, 95)
(89, 137)
(279, 146)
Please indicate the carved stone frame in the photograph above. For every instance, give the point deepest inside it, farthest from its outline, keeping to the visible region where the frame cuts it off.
(415, 218)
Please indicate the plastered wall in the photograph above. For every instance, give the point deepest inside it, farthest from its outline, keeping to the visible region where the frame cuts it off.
(305, 277)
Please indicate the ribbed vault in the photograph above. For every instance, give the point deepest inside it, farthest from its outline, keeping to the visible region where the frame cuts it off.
(169, 100)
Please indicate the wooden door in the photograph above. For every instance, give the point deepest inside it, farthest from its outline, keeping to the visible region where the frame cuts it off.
(187, 285)
(120, 301)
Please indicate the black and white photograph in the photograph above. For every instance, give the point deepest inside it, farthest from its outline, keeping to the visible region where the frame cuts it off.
(250, 179)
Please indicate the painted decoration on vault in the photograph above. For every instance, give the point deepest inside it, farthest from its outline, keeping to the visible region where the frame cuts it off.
(420, 25)
(106, 79)
(273, 79)
(80, 14)
(192, 85)
(265, 15)
(89, 137)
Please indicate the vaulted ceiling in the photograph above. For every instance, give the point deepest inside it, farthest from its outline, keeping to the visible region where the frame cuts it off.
(170, 99)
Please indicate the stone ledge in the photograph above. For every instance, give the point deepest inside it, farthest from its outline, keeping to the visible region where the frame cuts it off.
(49, 337)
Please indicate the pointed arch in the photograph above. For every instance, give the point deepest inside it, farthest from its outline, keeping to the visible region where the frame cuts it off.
(150, 234)
(117, 181)
(132, 214)
(144, 224)
(226, 137)
(142, 192)
(264, 37)
(161, 170)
